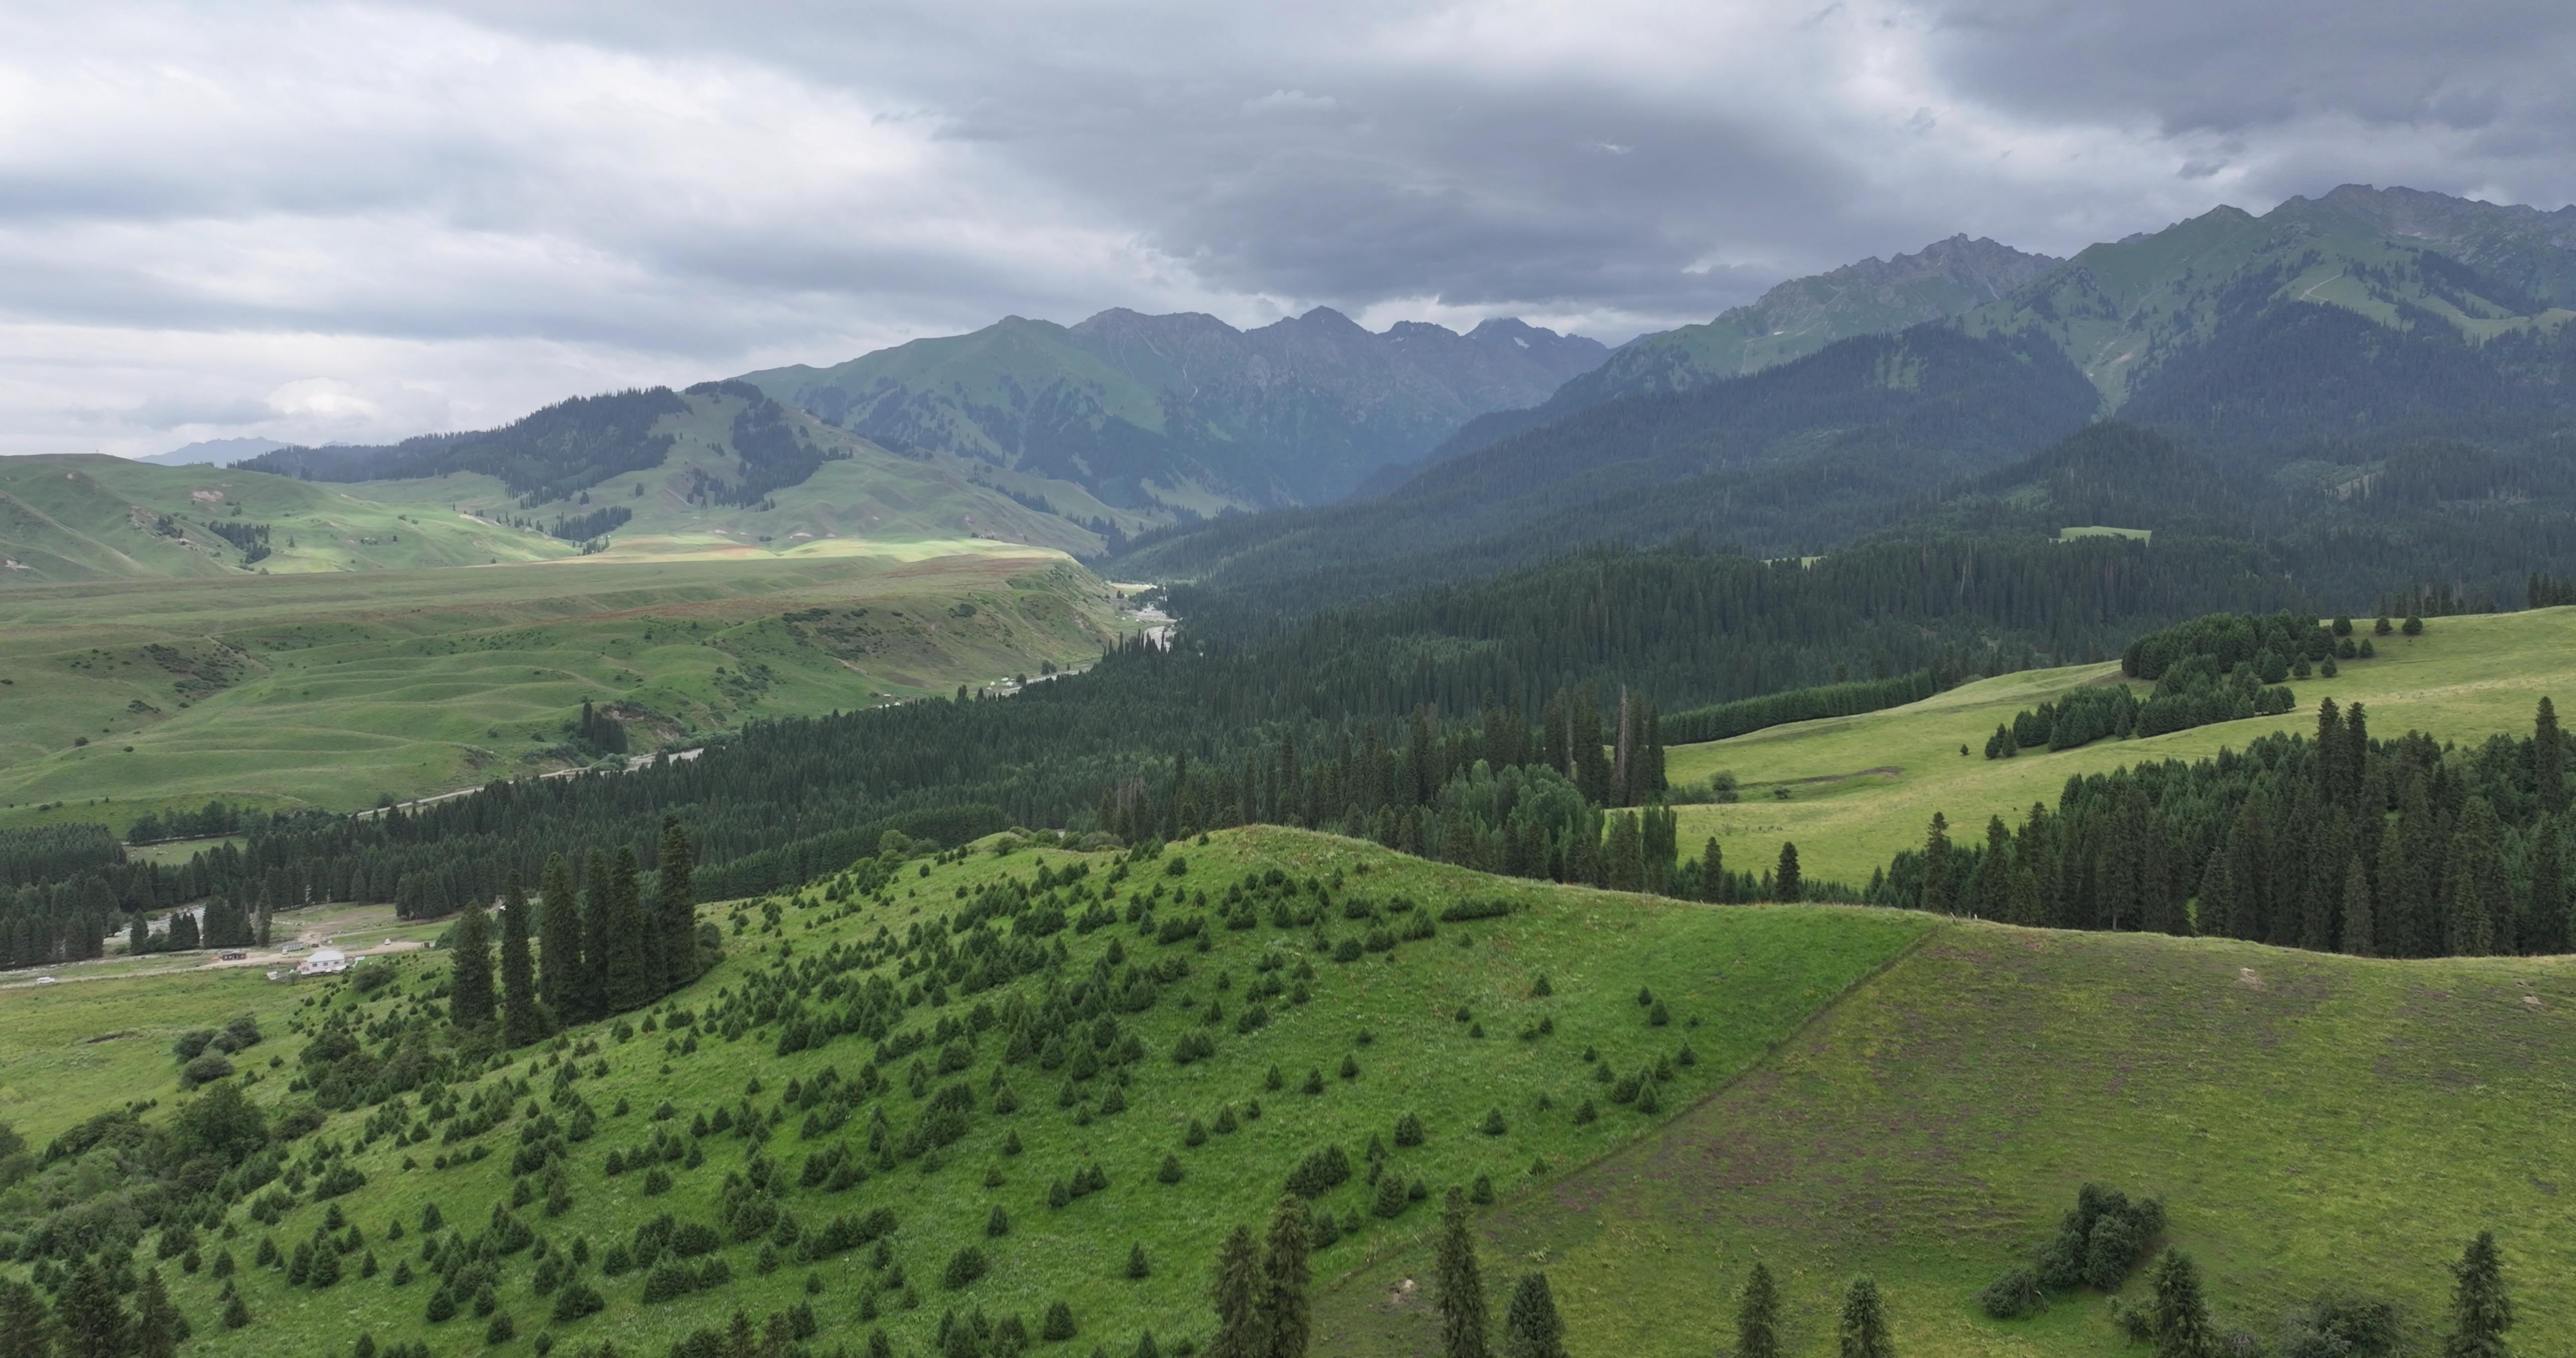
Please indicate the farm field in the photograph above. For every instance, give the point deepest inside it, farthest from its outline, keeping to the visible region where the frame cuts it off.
(338, 690)
(1863, 787)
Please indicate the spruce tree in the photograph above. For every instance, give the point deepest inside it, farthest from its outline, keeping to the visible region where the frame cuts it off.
(1757, 1316)
(1936, 865)
(1712, 872)
(2477, 883)
(522, 1022)
(2546, 914)
(1625, 853)
(1791, 886)
(88, 1316)
(1461, 1284)
(156, 1321)
(1286, 1322)
(598, 928)
(469, 977)
(1864, 1326)
(1532, 1328)
(676, 908)
(25, 1330)
(1238, 1299)
(2178, 1317)
(559, 940)
(2480, 1310)
(2360, 928)
(2548, 759)
(630, 980)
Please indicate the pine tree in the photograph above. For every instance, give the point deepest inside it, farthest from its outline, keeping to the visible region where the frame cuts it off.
(2178, 1317)
(522, 1022)
(1625, 855)
(1286, 1321)
(1757, 1316)
(1532, 1328)
(156, 1321)
(559, 966)
(2546, 914)
(1791, 886)
(676, 908)
(598, 929)
(2480, 1310)
(1864, 1327)
(1461, 1284)
(1238, 1299)
(469, 977)
(1712, 872)
(25, 1330)
(2360, 929)
(1936, 865)
(629, 980)
(92, 1323)
(2477, 883)
(2549, 759)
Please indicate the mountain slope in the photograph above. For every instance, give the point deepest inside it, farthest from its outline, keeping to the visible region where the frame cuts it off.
(213, 452)
(1797, 318)
(1166, 414)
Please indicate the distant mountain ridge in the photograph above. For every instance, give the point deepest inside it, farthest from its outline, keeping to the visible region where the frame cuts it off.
(1183, 413)
(214, 452)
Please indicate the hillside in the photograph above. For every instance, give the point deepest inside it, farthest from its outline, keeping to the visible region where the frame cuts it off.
(334, 690)
(86, 518)
(1843, 1107)
(1861, 788)
(1796, 318)
(1120, 1108)
(1163, 414)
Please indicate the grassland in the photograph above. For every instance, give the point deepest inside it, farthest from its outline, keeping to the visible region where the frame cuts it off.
(336, 690)
(1737, 982)
(1861, 788)
(2311, 1122)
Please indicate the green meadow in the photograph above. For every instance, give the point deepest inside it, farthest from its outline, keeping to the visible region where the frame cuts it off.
(336, 690)
(1860, 788)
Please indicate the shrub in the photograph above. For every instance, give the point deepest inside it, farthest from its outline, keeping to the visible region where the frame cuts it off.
(1350, 1067)
(1408, 1131)
(2013, 1295)
(964, 1267)
(1170, 1173)
(1481, 1191)
(1137, 1267)
(1493, 1125)
(1058, 1325)
(204, 1070)
(1389, 1200)
(500, 1331)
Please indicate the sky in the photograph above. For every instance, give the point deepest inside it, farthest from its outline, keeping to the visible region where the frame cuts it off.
(362, 221)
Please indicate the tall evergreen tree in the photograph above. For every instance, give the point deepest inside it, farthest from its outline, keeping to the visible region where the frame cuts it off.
(1532, 1328)
(2178, 1317)
(26, 1331)
(469, 977)
(2548, 759)
(2360, 928)
(156, 1321)
(1624, 854)
(675, 908)
(630, 978)
(522, 1021)
(87, 1315)
(559, 967)
(2480, 1310)
(1712, 872)
(2545, 915)
(1757, 1316)
(1791, 885)
(1286, 1322)
(1238, 1299)
(2477, 883)
(1461, 1284)
(1936, 865)
(598, 934)
(1864, 1325)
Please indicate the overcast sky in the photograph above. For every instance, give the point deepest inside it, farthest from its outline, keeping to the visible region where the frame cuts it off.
(361, 221)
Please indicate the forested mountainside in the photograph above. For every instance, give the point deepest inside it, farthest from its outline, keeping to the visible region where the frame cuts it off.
(1944, 279)
(1184, 413)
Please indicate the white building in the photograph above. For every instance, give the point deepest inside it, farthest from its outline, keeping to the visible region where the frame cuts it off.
(323, 962)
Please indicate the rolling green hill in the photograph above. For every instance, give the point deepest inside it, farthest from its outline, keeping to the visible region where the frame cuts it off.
(1861, 788)
(333, 690)
(1864, 1090)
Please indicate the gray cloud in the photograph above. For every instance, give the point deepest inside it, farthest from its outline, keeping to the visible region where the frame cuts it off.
(348, 220)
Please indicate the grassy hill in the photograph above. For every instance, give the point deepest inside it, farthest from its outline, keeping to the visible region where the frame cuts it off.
(82, 518)
(1861, 788)
(1735, 981)
(1868, 1090)
(332, 690)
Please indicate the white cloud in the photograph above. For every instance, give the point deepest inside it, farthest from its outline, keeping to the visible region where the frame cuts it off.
(1291, 101)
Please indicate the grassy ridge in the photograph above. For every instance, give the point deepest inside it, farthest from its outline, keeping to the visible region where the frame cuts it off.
(331, 690)
(1736, 981)
(2310, 1121)
(1863, 787)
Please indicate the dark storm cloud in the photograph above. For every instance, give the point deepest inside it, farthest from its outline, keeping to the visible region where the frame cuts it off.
(366, 211)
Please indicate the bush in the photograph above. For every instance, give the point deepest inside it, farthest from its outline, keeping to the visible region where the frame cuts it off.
(1389, 1200)
(1058, 1325)
(1408, 1131)
(1493, 1125)
(204, 1070)
(2344, 1327)
(2013, 1295)
(965, 1266)
(500, 1331)
(576, 1300)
